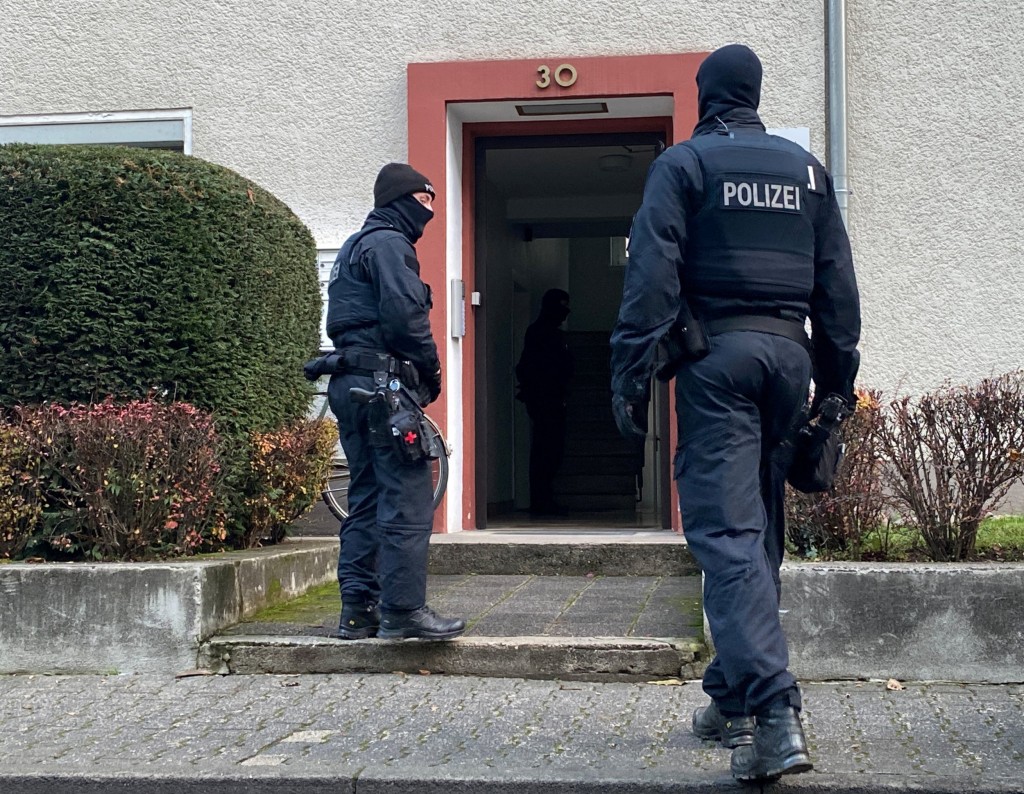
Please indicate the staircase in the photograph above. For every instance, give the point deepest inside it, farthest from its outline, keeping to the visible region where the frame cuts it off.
(599, 471)
(577, 604)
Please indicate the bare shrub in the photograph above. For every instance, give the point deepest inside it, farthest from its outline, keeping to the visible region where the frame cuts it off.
(951, 456)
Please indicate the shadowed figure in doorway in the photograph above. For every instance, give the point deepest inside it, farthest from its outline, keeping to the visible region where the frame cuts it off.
(544, 371)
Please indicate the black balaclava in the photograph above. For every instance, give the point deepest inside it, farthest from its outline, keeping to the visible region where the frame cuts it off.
(728, 90)
(554, 306)
(407, 215)
(394, 203)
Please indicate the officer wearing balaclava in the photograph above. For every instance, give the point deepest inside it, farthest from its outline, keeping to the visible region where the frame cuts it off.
(738, 241)
(378, 306)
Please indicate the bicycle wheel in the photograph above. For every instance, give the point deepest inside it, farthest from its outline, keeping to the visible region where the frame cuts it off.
(439, 466)
(336, 492)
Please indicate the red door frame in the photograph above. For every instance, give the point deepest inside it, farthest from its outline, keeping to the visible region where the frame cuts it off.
(433, 86)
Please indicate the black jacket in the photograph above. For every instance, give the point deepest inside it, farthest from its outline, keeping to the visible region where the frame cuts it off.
(376, 300)
(778, 248)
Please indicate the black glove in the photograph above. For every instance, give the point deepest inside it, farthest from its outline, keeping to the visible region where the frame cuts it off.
(630, 417)
(327, 364)
(430, 386)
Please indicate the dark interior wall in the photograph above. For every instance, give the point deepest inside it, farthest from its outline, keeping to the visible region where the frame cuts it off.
(595, 285)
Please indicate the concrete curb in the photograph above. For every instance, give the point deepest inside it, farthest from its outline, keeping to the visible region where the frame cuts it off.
(579, 658)
(143, 617)
(380, 779)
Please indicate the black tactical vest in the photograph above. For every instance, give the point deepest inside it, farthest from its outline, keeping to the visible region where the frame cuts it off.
(751, 239)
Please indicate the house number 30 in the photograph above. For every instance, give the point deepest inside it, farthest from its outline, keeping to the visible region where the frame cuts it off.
(565, 75)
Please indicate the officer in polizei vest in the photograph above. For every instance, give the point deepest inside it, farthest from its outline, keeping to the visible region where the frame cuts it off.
(377, 317)
(738, 240)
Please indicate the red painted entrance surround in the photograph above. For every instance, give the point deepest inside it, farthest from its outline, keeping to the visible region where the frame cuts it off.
(433, 86)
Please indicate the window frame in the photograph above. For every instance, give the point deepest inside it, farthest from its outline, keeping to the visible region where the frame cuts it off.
(123, 117)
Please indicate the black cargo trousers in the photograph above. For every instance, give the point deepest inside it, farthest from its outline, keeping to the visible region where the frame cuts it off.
(385, 540)
(734, 409)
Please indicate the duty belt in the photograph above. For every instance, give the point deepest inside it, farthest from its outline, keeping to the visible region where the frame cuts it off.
(790, 329)
(360, 362)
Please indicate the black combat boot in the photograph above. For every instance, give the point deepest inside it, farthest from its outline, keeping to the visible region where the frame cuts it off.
(422, 623)
(709, 723)
(359, 620)
(779, 748)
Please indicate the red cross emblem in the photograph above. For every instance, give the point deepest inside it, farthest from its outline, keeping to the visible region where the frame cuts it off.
(410, 437)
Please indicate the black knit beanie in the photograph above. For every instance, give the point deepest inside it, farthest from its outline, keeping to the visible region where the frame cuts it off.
(396, 180)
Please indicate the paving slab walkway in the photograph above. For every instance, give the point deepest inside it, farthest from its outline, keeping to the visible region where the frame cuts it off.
(590, 627)
(411, 733)
(524, 605)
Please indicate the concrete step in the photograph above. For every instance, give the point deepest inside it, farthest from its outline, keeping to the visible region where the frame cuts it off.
(596, 628)
(565, 658)
(562, 552)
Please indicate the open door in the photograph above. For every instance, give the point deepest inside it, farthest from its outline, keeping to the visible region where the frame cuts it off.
(553, 211)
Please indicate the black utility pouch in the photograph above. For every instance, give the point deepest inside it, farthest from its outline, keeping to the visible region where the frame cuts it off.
(408, 432)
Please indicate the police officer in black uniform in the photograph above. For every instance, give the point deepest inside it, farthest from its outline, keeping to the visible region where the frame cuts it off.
(544, 371)
(742, 230)
(377, 317)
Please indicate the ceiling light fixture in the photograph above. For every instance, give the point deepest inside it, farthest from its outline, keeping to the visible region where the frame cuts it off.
(561, 108)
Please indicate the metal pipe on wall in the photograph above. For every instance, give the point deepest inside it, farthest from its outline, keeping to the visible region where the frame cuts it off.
(836, 48)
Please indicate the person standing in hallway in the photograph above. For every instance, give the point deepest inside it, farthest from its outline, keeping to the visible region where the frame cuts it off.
(544, 371)
(738, 240)
(378, 318)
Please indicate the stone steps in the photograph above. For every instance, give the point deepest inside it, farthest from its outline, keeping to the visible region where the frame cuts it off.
(572, 625)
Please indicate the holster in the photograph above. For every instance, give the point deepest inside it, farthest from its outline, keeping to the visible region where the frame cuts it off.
(686, 340)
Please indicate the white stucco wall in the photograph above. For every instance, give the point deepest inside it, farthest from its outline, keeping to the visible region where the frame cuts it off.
(936, 100)
(308, 99)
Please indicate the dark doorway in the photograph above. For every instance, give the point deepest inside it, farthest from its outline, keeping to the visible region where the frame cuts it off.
(554, 211)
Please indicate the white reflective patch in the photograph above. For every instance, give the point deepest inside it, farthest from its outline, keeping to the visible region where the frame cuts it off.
(761, 195)
(812, 185)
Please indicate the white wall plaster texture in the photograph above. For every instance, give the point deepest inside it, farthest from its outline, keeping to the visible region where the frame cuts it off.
(936, 102)
(309, 101)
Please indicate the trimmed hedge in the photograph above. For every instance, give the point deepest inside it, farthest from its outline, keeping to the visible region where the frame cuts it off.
(126, 271)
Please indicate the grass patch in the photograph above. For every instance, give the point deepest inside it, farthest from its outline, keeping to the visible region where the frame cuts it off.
(1000, 539)
(311, 607)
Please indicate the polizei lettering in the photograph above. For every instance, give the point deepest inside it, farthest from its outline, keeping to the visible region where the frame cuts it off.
(761, 195)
